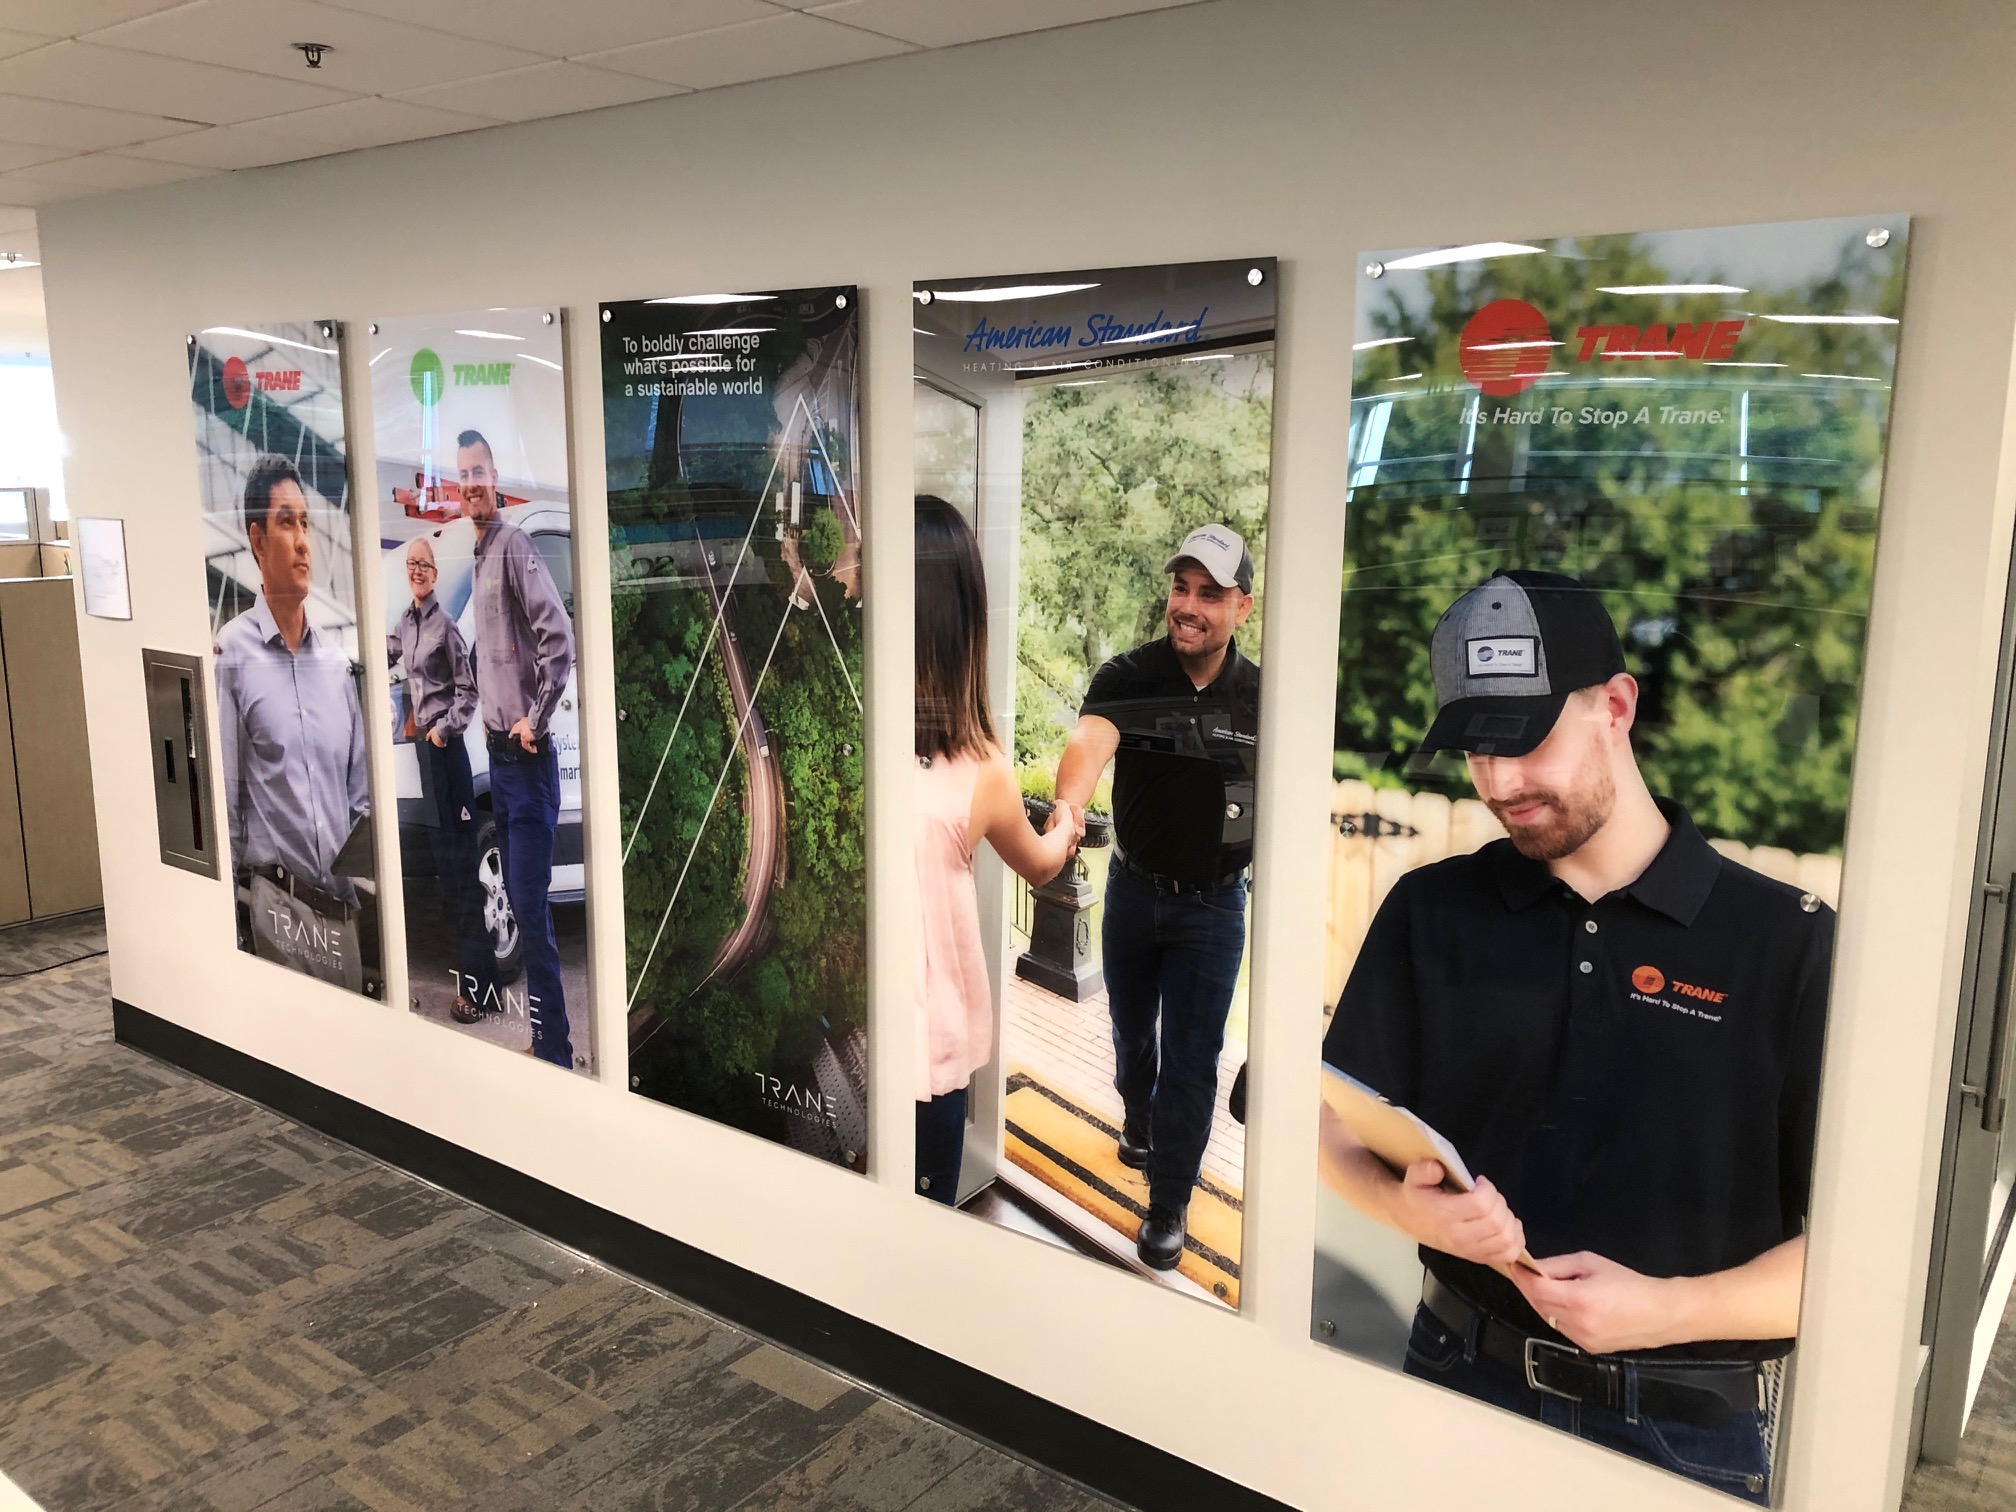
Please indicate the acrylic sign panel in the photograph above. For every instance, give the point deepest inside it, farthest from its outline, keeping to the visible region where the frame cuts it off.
(476, 548)
(1095, 448)
(1609, 544)
(735, 520)
(279, 571)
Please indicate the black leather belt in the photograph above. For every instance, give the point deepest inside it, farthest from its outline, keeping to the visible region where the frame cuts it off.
(1174, 884)
(307, 892)
(1706, 1395)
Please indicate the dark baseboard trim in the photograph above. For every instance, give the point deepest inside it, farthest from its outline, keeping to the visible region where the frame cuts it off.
(1110, 1462)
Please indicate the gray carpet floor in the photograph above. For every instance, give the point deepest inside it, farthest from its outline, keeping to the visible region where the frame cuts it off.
(207, 1308)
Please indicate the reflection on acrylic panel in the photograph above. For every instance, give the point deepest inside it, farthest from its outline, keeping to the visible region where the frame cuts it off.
(1100, 443)
(475, 544)
(1611, 527)
(733, 439)
(279, 570)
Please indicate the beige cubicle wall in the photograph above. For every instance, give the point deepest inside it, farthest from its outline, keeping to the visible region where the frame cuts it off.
(1304, 129)
(48, 823)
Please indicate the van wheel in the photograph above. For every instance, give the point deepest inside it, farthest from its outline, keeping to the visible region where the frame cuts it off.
(498, 920)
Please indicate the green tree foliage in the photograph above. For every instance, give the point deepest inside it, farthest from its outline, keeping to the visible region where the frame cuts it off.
(693, 480)
(1738, 575)
(1113, 476)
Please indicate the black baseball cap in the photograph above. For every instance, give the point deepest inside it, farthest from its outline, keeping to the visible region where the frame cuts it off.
(1506, 656)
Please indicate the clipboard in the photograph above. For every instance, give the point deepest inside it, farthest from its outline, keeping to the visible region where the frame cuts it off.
(1397, 1135)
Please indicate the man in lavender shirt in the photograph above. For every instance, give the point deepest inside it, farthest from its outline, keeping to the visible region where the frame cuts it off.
(524, 655)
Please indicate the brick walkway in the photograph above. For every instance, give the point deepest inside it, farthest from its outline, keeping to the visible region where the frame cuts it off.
(1069, 1048)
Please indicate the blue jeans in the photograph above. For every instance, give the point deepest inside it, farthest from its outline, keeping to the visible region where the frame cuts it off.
(1733, 1457)
(1172, 958)
(525, 802)
(941, 1146)
(451, 801)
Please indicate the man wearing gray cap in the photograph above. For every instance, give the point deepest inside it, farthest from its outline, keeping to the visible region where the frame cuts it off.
(1618, 1029)
(1178, 717)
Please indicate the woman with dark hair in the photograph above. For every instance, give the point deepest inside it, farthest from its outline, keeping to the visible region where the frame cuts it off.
(966, 793)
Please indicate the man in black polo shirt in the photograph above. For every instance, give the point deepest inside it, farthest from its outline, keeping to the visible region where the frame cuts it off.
(1178, 718)
(1619, 1030)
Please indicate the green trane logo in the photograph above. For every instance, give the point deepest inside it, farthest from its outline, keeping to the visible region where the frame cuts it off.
(427, 377)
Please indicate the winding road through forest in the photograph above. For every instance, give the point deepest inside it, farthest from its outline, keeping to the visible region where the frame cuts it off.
(764, 862)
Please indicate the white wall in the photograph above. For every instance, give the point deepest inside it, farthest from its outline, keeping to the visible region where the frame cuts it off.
(1307, 130)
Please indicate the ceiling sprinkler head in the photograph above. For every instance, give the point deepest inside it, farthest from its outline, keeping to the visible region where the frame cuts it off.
(313, 52)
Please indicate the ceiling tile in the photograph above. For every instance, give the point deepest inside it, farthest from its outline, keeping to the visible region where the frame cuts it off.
(19, 189)
(83, 74)
(784, 44)
(73, 18)
(81, 128)
(942, 23)
(12, 42)
(24, 155)
(249, 145)
(368, 54)
(18, 227)
(109, 170)
(566, 30)
(547, 89)
(370, 123)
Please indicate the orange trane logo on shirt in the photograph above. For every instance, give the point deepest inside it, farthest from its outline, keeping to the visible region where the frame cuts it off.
(1650, 980)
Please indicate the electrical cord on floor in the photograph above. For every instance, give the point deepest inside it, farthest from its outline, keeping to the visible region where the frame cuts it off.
(89, 955)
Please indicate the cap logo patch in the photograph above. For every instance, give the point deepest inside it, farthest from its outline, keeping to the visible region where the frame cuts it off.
(1504, 656)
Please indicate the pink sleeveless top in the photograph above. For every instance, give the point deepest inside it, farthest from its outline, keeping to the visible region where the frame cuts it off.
(955, 1008)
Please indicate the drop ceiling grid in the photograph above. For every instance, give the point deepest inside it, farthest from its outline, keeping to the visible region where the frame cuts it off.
(101, 94)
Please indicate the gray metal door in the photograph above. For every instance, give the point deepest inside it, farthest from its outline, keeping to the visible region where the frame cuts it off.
(1971, 1248)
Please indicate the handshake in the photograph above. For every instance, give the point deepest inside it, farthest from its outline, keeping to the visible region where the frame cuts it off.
(1063, 814)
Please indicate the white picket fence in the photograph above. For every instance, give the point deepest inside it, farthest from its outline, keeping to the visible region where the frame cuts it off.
(1376, 834)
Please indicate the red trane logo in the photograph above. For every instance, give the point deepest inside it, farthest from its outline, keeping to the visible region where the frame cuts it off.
(282, 382)
(1505, 347)
(237, 383)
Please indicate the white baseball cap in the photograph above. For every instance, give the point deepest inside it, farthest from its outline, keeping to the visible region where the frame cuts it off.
(1220, 552)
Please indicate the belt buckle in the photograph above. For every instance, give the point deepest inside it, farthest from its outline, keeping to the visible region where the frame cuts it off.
(1533, 1380)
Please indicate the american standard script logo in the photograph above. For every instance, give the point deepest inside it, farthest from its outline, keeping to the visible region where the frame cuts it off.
(1507, 346)
(1653, 987)
(794, 1101)
(1100, 330)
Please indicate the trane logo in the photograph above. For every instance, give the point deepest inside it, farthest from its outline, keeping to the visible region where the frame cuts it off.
(1508, 344)
(1688, 989)
(1704, 341)
(482, 374)
(1650, 979)
(281, 382)
(1503, 656)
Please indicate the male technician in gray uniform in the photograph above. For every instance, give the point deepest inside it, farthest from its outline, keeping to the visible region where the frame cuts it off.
(524, 654)
(292, 731)
(440, 689)
(1619, 1030)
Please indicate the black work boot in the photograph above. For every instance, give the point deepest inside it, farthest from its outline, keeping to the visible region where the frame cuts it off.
(1135, 1147)
(1160, 1244)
